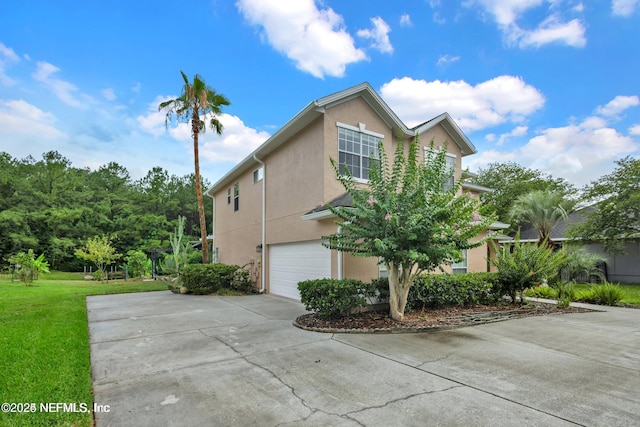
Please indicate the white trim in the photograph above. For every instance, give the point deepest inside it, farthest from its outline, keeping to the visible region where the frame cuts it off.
(360, 128)
(323, 214)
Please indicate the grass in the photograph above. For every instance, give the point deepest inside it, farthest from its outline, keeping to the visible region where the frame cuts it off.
(631, 290)
(44, 345)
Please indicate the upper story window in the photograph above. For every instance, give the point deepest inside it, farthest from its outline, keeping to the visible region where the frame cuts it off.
(228, 196)
(451, 166)
(450, 160)
(236, 197)
(357, 150)
(258, 174)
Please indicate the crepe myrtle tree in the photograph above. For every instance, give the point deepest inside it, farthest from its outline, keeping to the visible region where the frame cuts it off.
(407, 217)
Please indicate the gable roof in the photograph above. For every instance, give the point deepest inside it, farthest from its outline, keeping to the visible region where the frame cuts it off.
(316, 108)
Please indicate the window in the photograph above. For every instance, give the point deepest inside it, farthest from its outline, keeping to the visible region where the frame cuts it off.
(236, 197)
(450, 160)
(228, 196)
(258, 174)
(451, 166)
(460, 267)
(357, 150)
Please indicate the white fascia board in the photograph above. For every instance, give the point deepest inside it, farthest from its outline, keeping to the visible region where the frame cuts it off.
(478, 188)
(317, 216)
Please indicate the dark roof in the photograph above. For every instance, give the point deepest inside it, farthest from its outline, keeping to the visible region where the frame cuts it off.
(343, 200)
(527, 232)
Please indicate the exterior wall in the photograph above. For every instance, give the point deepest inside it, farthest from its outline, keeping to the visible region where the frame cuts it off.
(360, 268)
(294, 186)
(623, 268)
(237, 233)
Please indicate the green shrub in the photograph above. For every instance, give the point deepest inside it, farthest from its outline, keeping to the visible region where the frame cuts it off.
(442, 290)
(541, 292)
(334, 298)
(522, 265)
(604, 294)
(204, 279)
(381, 285)
(581, 265)
(242, 282)
(565, 293)
(136, 263)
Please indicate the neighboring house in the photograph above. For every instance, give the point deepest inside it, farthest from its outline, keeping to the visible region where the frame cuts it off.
(619, 267)
(270, 210)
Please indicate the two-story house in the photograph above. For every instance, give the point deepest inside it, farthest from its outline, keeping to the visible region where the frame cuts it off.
(270, 210)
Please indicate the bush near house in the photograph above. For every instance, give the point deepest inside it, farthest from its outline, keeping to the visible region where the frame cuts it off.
(445, 290)
(333, 297)
(205, 279)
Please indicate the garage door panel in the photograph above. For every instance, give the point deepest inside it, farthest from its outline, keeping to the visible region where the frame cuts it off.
(295, 262)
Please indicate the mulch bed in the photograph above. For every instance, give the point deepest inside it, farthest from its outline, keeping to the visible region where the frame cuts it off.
(428, 320)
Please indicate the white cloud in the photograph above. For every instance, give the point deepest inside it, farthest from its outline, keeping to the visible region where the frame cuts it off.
(64, 90)
(552, 29)
(445, 60)
(315, 39)
(624, 7)
(499, 100)
(517, 131)
(18, 118)
(136, 88)
(153, 122)
(7, 57)
(379, 34)
(236, 142)
(578, 152)
(405, 20)
(109, 94)
(618, 104)
(634, 130)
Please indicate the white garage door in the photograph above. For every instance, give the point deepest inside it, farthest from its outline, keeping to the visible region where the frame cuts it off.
(291, 263)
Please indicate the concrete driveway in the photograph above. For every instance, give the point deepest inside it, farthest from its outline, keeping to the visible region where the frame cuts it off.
(181, 360)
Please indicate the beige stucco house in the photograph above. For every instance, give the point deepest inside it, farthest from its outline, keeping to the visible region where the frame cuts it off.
(270, 209)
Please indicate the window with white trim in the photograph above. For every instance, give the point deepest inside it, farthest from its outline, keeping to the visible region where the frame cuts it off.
(357, 150)
(258, 174)
(236, 197)
(461, 266)
(451, 167)
(450, 163)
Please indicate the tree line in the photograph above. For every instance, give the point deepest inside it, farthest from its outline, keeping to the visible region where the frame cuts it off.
(52, 207)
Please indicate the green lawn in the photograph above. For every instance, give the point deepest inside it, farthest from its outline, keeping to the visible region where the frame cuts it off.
(632, 292)
(44, 345)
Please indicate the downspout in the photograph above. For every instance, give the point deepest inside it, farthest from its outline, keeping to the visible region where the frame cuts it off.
(264, 218)
(339, 257)
(214, 257)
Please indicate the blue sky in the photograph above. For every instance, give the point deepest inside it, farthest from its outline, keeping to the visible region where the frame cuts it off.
(550, 84)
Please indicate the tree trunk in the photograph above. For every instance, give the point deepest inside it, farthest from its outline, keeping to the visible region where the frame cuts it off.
(195, 125)
(398, 290)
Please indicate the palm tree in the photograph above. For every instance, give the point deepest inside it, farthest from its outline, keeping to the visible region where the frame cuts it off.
(197, 99)
(543, 210)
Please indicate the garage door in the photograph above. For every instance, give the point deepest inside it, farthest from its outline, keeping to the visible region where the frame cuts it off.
(291, 263)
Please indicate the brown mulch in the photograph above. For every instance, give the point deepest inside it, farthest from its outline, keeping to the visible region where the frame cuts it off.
(432, 319)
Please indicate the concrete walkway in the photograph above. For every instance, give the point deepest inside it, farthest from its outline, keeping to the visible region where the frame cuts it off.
(179, 360)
